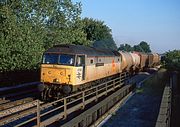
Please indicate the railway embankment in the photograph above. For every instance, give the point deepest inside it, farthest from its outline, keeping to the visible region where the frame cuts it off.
(142, 109)
(175, 113)
(12, 78)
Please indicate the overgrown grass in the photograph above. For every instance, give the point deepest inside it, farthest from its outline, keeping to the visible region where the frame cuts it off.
(154, 83)
(139, 90)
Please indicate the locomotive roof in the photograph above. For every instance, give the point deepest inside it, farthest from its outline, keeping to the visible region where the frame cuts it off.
(80, 49)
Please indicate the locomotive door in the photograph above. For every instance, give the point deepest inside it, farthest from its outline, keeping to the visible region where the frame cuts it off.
(81, 63)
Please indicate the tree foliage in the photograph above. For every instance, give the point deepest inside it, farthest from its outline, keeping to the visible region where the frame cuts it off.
(64, 24)
(96, 30)
(27, 28)
(125, 47)
(172, 60)
(141, 47)
(98, 34)
(21, 42)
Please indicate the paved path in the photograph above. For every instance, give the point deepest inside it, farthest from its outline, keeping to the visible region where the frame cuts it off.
(141, 110)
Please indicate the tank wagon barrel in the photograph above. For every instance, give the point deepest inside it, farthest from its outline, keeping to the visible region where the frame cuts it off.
(136, 60)
(153, 59)
(127, 61)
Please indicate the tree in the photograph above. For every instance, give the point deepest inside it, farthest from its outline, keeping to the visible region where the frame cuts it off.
(125, 47)
(172, 60)
(142, 47)
(96, 30)
(27, 28)
(98, 34)
(21, 42)
(63, 23)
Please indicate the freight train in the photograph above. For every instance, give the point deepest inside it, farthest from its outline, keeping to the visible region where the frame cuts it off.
(66, 69)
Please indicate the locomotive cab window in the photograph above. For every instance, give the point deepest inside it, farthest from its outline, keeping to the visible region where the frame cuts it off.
(80, 60)
(61, 59)
(50, 58)
(66, 59)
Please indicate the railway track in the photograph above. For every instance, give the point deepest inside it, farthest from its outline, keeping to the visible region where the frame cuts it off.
(17, 98)
(32, 112)
(9, 104)
(20, 113)
(14, 106)
(3, 100)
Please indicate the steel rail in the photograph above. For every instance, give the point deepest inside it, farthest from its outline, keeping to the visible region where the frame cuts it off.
(39, 109)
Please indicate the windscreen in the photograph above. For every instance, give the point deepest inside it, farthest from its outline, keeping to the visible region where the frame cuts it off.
(63, 59)
(50, 58)
(66, 59)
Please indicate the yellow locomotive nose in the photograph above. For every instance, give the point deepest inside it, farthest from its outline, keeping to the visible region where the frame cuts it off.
(49, 72)
(58, 74)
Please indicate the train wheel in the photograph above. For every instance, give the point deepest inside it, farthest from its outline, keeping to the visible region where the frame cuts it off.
(49, 93)
(66, 89)
(58, 94)
(46, 97)
(43, 96)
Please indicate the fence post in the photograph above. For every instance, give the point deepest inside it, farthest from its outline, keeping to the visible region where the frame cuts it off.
(65, 108)
(38, 114)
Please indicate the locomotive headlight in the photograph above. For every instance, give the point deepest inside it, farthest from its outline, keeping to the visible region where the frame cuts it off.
(56, 80)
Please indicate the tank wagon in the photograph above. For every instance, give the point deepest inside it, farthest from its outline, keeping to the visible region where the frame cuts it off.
(66, 69)
(127, 61)
(154, 59)
(136, 61)
(143, 60)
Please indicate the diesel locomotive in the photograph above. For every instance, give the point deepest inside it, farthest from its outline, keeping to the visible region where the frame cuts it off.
(66, 69)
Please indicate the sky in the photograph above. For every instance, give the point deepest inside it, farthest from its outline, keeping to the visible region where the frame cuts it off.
(132, 21)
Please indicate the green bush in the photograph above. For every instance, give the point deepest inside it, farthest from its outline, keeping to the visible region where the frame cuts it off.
(172, 60)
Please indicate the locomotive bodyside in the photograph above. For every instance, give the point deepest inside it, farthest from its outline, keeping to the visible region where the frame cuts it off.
(69, 68)
(101, 67)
